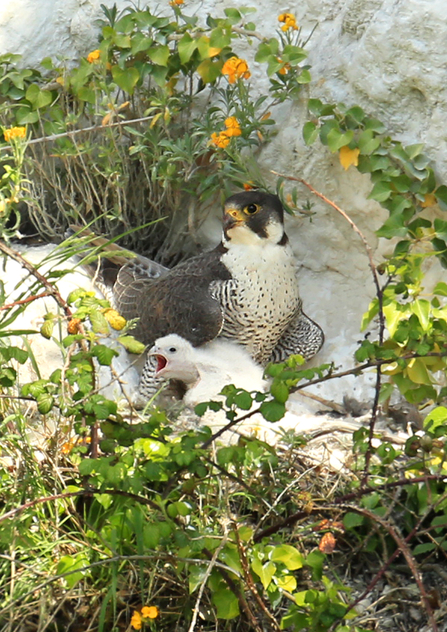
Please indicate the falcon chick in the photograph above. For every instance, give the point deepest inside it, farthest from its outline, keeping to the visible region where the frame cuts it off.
(206, 370)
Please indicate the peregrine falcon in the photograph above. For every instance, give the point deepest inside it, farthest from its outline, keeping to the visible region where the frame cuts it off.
(245, 290)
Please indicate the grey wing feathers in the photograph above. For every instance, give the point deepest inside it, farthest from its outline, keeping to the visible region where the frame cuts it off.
(303, 336)
(178, 301)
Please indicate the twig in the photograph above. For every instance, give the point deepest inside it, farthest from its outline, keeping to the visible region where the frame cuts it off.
(211, 565)
(402, 547)
(92, 128)
(379, 294)
(249, 580)
(362, 491)
(51, 289)
(24, 301)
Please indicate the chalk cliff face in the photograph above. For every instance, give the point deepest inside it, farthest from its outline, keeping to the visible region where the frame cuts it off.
(387, 56)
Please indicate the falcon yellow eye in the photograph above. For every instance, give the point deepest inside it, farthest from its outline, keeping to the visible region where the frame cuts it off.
(251, 209)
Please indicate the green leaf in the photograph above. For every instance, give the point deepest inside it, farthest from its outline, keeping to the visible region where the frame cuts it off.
(315, 561)
(126, 79)
(368, 143)
(140, 43)
(233, 15)
(440, 227)
(226, 604)
(441, 193)
(186, 47)
(421, 308)
(279, 391)
(39, 98)
(310, 132)
(386, 390)
(381, 191)
(437, 417)
(45, 403)
(440, 289)
(209, 71)
(426, 547)
(104, 354)
(352, 520)
(243, 400)
(219, 38)
(131, 344)
(288, 555)
(273, 410)
(99, 323)
(414, 150)
(159, 55)
(24, 116)
(393, 315)
(9, 353)
(394, 226)
(337, 139)
(87, 94)
(70, 563)
(265, 571)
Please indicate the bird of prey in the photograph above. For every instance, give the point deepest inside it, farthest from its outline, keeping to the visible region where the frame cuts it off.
(207, 369)
(245, 290)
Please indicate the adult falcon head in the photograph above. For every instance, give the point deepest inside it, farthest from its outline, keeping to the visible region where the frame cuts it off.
(252, 218)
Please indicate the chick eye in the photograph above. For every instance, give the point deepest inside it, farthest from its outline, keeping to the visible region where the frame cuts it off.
(172, 350)
(251, 209)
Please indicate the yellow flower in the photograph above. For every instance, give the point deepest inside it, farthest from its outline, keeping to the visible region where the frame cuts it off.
(149, 612)
(285, 68)
(136, 621)
(14, 132)
(93, 56)
(233, 127)
(289, 21)
(236, 68)
(221, 140)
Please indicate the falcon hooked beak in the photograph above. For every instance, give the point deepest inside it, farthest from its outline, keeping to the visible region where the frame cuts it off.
(253, 217)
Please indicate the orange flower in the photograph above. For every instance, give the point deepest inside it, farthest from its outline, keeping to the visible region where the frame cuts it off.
(236, 68)
(136, 621)
(176, 3)
(249, 186)
(285, 69)
(289, 21)
(94, 56)
(149, 612)
(221, 140)
(14, 132)
(233, 127)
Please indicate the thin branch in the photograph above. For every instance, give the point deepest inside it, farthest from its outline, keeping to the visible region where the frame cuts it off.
(379, 294)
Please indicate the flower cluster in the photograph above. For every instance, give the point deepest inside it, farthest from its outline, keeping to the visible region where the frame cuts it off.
(94, 56)
(233, 128)
(236, 68)
(147, 612)
(14, 132)
(289, 21)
